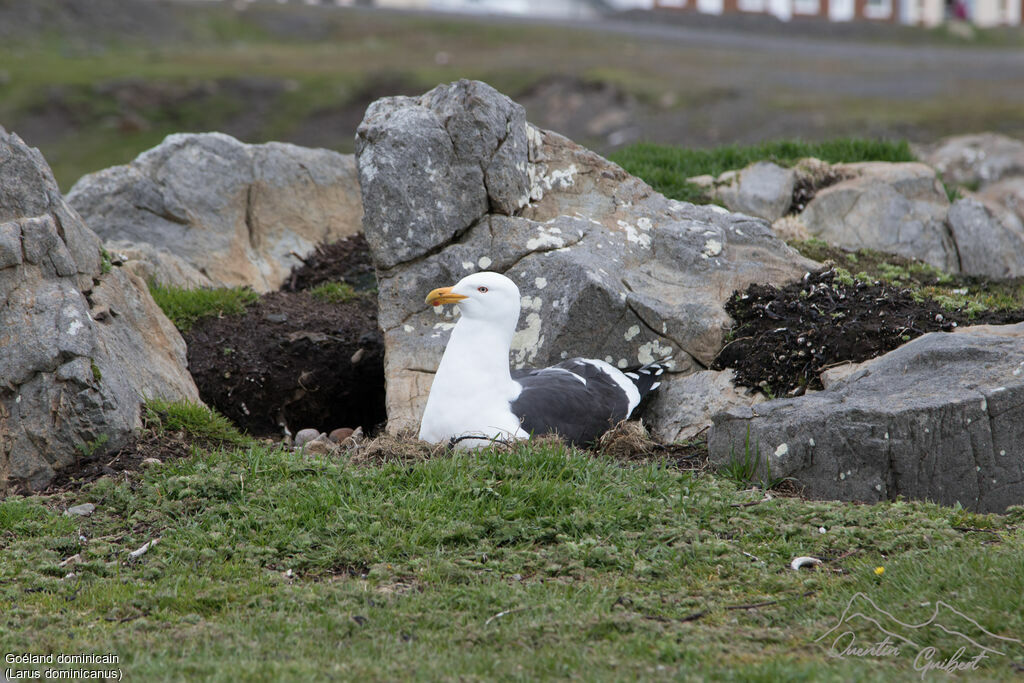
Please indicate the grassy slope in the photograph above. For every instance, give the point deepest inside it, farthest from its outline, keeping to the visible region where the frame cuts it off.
(595, 567)
(350, 53)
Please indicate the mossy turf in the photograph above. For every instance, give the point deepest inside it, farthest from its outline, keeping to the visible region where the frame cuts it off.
(185, 306)
(969, 294)
(529, 563)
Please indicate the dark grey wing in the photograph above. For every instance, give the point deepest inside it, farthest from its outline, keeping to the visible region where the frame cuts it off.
(555, 401)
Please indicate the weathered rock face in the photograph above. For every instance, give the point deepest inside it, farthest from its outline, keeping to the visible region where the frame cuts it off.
(940, 418)
(83, 344)
(607, 268)
(988, 244)
(895, 208)
(979, 160)
(232, 213)
(434, 165)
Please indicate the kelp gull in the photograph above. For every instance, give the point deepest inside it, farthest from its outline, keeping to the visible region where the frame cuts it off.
(474, 393)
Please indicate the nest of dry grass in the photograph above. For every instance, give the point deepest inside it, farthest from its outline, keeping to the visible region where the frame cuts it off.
(395, 448)
(628, 440)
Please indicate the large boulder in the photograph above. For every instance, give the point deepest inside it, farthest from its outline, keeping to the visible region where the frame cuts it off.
(456, 181)
(990, 241)
(975, 160)
(83, 342)
(899, 208)
(207, 209)
(940, 418)
(1007, 196)
(763, 189)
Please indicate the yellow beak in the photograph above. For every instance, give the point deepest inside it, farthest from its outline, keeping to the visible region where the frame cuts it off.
(444, 295)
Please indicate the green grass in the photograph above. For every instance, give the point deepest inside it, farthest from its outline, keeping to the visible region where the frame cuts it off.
(196, 419)
(666, 168)
(334, 292)
(185, 306)
(534, 563)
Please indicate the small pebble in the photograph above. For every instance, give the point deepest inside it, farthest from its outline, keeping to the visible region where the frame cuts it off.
(276, 318)
(357, 356)
(83, 510)
(152, 461)
(74, 559)
(70, 577)
(319, 447)
(304, 436)
(340, 434)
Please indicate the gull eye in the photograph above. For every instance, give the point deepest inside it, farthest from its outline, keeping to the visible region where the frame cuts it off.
(482, 290)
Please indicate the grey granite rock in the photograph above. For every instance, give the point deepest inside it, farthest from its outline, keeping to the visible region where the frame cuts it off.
(979, 159)
(219, 211)
(83, 345)
(431, 166)
(940, 418)
(683, 406)
(895, 208)
(763, 189)
(987, 245)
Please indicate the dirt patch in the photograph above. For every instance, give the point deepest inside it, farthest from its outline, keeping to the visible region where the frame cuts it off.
(784, 338)
(809, 184)
(292, 361)
(129, 458)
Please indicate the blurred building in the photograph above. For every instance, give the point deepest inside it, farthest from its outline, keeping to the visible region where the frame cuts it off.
(983, 13)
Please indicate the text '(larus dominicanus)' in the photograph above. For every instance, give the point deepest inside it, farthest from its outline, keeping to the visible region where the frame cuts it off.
(476, 395)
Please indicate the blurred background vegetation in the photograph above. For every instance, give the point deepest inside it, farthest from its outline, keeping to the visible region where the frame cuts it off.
(94, 82)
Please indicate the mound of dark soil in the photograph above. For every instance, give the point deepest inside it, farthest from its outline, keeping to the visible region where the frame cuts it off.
(784, 338)
(292, 361)
(346, 260)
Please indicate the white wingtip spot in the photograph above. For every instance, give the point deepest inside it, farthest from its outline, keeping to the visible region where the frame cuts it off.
(655, 386)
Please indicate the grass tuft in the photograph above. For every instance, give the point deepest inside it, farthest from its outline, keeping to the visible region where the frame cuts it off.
(334, 292)
(185, 306)
(195, 419)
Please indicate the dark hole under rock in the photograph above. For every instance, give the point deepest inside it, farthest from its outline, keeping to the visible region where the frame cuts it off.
(294, 359)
